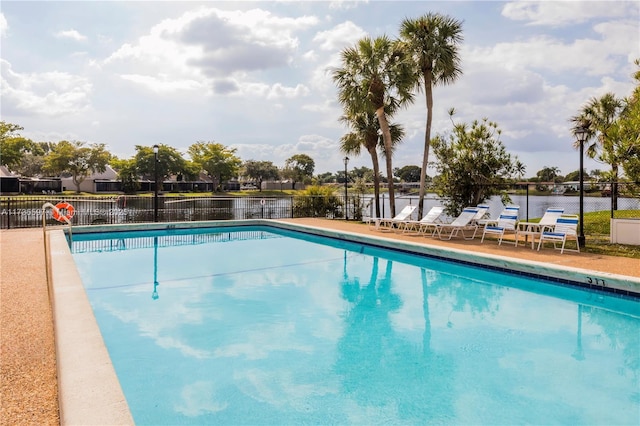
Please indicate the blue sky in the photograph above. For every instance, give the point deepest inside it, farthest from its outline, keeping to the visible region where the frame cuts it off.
(255, 75)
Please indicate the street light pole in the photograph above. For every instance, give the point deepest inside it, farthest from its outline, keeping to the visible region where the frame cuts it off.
(155, 171)
(346, 204)
(581, 135)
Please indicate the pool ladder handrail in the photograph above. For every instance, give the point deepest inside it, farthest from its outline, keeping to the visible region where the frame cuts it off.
(47, 248)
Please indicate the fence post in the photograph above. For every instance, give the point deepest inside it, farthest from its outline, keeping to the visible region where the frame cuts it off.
(8, 213)
(527, 202)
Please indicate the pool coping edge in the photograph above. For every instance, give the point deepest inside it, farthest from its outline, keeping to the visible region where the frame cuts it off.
(89, 391)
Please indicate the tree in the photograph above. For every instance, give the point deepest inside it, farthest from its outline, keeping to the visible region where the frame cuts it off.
(575, 176)
(599, 117)
(365, 133)
(628, 130)
(219, 161)
(298, 168)
(13, 147)
(77, 159)
(316, 201)
(32, 161)
(432, 41)
(30, 165)
(363, 172)
(260, 170)
(376, 75)
(472, 164)
(128, 173)
(408, 173)
(170, 162)
(326, 177)
(520, 169)
(548, 174)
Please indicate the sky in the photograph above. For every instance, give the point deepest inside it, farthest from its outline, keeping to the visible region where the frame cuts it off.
(256, 76)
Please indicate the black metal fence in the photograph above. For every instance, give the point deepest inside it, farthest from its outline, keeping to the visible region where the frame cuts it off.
(533, 199)
(26, 212)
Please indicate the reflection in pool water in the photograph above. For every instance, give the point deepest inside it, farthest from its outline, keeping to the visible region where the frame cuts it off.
(266, 326)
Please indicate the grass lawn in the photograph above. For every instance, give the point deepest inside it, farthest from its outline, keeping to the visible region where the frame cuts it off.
(597, 227)
(597, 230)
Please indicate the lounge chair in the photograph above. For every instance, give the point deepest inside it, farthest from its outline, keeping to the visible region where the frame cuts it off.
(534, 229)
(506, 223)
(483, 211)
(565, 228)
(388, 224)
(428, 222)
(508, 210)
(464, 222)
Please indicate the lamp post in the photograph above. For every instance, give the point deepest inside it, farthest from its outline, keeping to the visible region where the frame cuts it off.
(346, 204)
(581, 135)
(155, 172)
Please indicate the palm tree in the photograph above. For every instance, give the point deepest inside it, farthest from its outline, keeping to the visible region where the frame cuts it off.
(520, 169)
(375, 76)
(599, 117)
(365, 133)
(432, 41)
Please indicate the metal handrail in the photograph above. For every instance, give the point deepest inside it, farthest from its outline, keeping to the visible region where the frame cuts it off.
(47, 248)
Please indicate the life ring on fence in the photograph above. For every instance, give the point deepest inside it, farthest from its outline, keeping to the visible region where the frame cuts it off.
(58, 212)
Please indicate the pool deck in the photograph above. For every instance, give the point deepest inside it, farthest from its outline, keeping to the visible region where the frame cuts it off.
(28, 363)
(595, 262)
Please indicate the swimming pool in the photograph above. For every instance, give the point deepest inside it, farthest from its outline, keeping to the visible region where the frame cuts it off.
(257, 325)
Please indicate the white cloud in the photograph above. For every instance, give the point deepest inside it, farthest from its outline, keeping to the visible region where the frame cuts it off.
(219, 49)
(47, 93)
(346, 4)
(161, 84)
(72, 34)
(4, 25)
(338, 37)
(560, 13)
(543, 52)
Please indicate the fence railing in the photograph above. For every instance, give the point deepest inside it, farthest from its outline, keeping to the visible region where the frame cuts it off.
(26, 211)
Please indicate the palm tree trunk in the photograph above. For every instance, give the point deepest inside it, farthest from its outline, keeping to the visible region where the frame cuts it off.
(427, 141)
(376, 179)
(386, 135)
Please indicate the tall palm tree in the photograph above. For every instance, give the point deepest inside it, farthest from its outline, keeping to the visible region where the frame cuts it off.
(365, 133)
(375, 75)
(599, 117)
(432, 41)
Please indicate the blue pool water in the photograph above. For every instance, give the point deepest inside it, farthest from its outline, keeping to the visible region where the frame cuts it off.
(242, 326)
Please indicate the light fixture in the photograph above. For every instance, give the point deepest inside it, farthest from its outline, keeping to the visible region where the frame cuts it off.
(581, 134)
(156, 148)
(346, 203)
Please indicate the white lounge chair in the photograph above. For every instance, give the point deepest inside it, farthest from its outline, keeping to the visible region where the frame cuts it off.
(508, 210)
(506, 223)
(483, 211)
(388, 224)
(565, 228)
(464, 222)
(428, 222)
(534, 229)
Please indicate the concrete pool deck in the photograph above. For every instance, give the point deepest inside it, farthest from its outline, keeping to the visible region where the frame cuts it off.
(28, 361)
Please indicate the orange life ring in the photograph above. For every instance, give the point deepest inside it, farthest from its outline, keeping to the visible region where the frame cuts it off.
(58, 212)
